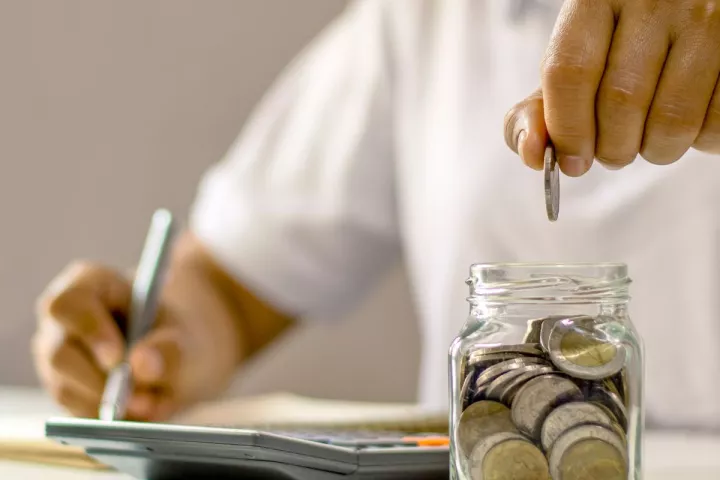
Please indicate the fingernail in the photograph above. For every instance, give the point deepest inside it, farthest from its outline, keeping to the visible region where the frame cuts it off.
(522, 136)
(520, 143)
(610, 166)
(107, 355)
(150, 364)
(574, 165)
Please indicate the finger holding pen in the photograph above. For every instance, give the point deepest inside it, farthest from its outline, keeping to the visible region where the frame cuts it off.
(206, 325)
(79, 342)
(146, 288)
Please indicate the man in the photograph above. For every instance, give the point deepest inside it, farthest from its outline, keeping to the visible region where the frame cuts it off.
(383, 141)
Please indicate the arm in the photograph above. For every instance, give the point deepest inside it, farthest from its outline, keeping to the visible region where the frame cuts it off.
(302, 209)
(195, 273)
(297, 220)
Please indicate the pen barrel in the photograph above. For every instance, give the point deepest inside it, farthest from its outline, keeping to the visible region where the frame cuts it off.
(116, 394)
(150, 276)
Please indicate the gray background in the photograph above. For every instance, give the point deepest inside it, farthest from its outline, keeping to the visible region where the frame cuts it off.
(109, 109)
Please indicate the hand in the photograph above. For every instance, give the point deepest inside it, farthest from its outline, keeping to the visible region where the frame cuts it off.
(190, 354)
(627, 77)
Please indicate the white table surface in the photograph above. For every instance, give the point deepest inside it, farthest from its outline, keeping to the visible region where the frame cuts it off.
(668, 455)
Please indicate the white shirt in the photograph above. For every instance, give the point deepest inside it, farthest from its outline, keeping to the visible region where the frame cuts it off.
(383, 142)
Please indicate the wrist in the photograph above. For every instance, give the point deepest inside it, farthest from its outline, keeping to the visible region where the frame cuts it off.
(228, 305)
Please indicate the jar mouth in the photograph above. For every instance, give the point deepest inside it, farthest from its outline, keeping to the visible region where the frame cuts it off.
(489, 271)
(549, 282)
(559, 265)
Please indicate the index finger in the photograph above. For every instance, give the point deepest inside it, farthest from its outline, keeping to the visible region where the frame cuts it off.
(82, 299)
(571, 74)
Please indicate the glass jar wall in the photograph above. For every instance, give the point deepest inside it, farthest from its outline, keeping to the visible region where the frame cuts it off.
(546, 376)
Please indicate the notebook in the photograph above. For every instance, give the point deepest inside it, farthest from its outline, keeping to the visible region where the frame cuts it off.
(283, 411)
(22, 438)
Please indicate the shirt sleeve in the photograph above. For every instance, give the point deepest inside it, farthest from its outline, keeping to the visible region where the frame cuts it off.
(302, 210)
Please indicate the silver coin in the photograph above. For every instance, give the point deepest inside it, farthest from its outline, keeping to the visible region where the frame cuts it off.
(588, 452)
(570, 415)
(608, 384)
(507, 455)
(532, 334)
(508, 395)
(465, 391)
(600, 394)
(620, 380)
(504, 352)
(552, 184)
(619, 431)
(575, 350)
(605, 409)
(479, 394)
(537, 398)
(496, 388)
(482, 361)
(549, 323)
(491, 373)
(545, 330)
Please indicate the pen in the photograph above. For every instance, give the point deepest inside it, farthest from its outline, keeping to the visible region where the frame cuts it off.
(143, 307)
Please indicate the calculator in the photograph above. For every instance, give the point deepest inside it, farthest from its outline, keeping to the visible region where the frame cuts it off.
(155, 451)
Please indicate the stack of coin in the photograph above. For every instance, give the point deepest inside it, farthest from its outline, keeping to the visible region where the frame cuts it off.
(551, 408)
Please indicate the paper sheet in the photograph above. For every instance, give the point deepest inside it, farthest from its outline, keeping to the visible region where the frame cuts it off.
(284, 410)
(22, 438)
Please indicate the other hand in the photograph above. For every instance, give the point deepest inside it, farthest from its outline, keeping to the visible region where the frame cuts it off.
(187, 356)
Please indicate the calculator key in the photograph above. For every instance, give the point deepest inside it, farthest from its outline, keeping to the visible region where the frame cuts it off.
(430, 441)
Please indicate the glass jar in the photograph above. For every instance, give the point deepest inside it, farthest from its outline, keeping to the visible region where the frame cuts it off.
(546, 376)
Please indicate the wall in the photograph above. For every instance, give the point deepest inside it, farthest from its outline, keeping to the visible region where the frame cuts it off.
(109, 109)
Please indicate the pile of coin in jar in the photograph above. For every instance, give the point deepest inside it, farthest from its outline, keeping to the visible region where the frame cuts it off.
(553, 407)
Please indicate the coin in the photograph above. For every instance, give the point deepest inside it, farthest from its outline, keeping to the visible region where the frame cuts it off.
(505, 352)
(609, 385)
(496, 370)
(465, 391)
(534, 401)
(508, 396)
(588, 452)
(507, 456)
(547, 326)
(576, 351)
(598, 393)
(570, 415)
(496, 388)
(552, 184)
(532, 334)
(619, 432)
(480, 420)
(606, 410)
(620, 380)
(479, 361)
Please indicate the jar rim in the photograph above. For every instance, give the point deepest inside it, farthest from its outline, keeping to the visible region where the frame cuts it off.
(483, 265)
(543, 282)
(561, 268)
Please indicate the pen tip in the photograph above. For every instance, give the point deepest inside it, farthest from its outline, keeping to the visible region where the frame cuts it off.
(107, 413)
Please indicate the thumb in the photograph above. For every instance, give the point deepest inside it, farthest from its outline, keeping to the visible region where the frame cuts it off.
(525, 130)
